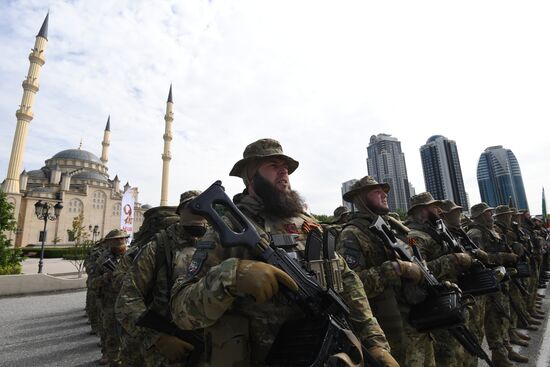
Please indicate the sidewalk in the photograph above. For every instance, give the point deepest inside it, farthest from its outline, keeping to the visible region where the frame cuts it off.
(56, 267)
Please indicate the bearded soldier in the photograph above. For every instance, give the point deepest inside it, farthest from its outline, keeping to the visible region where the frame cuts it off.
(236, 298)
(149, 282)
(442, 261)
(383, 273)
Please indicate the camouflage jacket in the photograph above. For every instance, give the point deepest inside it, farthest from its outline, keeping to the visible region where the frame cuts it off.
(510, 237)
(146, 284)
(103, 281)
(90, 261)
(490, 241)
(206, 296)
(437, 253)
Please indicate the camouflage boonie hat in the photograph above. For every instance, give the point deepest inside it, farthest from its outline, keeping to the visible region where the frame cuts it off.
(448, 206)
(503, 209)
(186, 197)
(262, 149)
(365, 184)
(479, 209)
(339, 212)
(113, 235)
(423, 199)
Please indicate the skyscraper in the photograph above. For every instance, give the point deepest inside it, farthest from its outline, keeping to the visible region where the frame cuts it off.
(386, 163)
(442, 172)
(499, 178)
(346, 186)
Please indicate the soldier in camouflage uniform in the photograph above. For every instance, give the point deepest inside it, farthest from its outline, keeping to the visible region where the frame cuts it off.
(235, 298)
(452, 216)
(154, 220)
(149, 283)
(503, 226)
(115, 241)
(383, 274)
(92, 309)
(445, 264)
(341, 216)
(497, 308)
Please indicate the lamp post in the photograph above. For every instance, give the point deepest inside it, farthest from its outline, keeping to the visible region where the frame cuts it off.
(46, 211)
(94, 230)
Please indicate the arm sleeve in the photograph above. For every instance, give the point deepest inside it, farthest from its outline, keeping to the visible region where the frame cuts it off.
(361, 318)
(444, 267)
(199, 302)
(356, 253)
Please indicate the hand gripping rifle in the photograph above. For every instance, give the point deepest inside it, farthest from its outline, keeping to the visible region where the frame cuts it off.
(310, 342)
(443, 307)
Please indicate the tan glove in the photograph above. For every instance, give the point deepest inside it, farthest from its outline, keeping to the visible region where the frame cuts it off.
(409, 270)
(481, 256)
(383, 357)
(172, 348)
(508, 258)
(261, 280)
(464, 260)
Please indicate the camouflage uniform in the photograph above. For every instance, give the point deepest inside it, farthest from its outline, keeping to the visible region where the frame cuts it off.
(104, 284)
(91, 294)
(155, 220)
(368, 256)
(497, 308)
(442, 263)
(207, 296)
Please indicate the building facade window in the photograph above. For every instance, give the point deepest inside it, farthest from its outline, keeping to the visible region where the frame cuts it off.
(75, 206)
(99, 199)
(116, 209)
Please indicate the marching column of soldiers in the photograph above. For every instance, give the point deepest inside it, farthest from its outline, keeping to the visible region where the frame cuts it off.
(258, 281)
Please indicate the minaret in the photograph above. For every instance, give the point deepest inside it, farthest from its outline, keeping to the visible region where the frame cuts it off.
(24, 113)
(167, 154)
(106, 142)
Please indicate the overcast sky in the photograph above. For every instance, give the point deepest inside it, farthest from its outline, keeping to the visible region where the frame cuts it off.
(319, 76)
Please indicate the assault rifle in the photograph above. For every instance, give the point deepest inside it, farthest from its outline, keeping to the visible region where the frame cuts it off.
(309, 342)
(152, 320)
(109, 264)
(444, 306)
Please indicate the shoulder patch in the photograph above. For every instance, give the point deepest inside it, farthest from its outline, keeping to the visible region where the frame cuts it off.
(351, 260)
(412, 241)
(197, 262)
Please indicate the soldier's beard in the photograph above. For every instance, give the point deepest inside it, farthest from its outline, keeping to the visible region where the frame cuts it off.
(284, 204)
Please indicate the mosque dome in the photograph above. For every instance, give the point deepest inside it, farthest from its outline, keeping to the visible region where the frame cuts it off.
(77, 154)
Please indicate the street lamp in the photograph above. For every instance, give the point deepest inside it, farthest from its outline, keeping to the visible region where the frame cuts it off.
(44, 212)
(94, 230)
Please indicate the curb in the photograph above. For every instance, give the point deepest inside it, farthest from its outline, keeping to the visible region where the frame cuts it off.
(22, 284)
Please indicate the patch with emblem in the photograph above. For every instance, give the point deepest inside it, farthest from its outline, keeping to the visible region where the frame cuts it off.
(412, 241)
(351, 260)
(197, 262)
(308, 226)
(291, 228)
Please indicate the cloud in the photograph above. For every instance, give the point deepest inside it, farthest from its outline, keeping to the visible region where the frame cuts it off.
(320, 77)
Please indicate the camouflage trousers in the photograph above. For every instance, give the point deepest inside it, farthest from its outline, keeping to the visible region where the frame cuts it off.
(419, 349)
(91, 310)
(130, 351)
(532, 286)
(111, 329)
(448, 351)
(519, 301)
(496, 323)
(475, 319)
(154, 359)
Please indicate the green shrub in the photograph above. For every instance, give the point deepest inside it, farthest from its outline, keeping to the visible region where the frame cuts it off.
(49, 252)
(10, 269)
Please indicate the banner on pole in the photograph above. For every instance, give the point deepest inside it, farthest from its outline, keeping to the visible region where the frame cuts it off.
(127, 213)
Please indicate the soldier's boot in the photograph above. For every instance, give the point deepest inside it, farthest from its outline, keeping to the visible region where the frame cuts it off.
(516, 357)
(531, 327)
(500, 359)
(534, 314)
(533, 321)
(521, 335)
(514, 339)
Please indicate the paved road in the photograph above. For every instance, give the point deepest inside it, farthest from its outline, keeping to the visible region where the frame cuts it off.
(46, 330)
(51, 330)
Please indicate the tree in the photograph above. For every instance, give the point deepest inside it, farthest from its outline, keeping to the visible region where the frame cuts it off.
(323, 218)
(82, 244)
(10, 258)
(402, 214)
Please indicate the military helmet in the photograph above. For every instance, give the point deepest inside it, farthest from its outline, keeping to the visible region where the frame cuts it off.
(113, 235)
(479, 209)
(503, 209)
(367, 183)
(259, 150)
(423, 199)
(448, 206)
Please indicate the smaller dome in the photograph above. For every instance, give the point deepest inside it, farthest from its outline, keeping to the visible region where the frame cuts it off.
(78, 154)
(90, 175)
(37, 173)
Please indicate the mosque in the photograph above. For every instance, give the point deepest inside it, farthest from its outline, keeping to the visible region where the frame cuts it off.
(76, 178)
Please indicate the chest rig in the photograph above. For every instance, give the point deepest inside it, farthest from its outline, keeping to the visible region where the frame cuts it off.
(311, 245)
